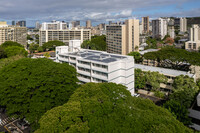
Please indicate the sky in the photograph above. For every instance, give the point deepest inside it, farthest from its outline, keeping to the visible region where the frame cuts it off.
(98, 11)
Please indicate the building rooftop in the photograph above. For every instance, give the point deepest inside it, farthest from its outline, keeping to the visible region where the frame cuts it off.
(98, 56)
(164, 71)
(148, 50)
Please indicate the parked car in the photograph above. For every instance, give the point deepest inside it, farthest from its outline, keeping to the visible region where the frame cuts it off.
(136, 95)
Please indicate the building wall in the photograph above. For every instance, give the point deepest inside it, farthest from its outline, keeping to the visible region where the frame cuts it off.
(145, 24)
(13, 33)
(64, 35)
(194, 41)
(122, 39)
(183, 24)
(120, 71)
(159, 28)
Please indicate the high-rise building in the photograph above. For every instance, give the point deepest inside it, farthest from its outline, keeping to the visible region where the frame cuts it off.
(145, 24)
(98, 66)
(13, 22)
(171, 30)
(183, 24)
(75, 24)
(124, 38)
(88, 24)
(22, 23)
(54, 25)
(13, 33)
(194, 42)
(62, 34)
(37, 25)
(159, 28)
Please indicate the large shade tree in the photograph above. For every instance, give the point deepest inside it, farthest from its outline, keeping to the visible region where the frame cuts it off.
(30, 87)
(105, 108)
(15, 50)
(96, 43)
(174, 58)
(48, 46)
(11, 43)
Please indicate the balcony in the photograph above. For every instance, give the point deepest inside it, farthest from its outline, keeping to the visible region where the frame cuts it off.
(84, 79)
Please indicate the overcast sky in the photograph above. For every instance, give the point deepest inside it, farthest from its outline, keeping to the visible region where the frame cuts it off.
(95, 10)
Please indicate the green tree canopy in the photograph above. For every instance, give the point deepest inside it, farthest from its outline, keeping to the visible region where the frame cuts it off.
(105, 108)
(96, 43)
(10, 43)
(33, 47)
(137, 56)
(30, 87)
(152, 79)
(40, 49)
(179, 111)
(2, 53)
(140, 81)
(174, 58)
(48, 46)
(7, 61)
(15, 50)
(185, 90)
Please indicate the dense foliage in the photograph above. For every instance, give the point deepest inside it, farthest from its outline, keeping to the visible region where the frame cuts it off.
(185, 90)
(30, 87)
(105, 108)
(96, 43)
(174, 58)
(15, 50)
(179, 111)
(148, 80)
(10, 43)
(48, 46)
(33, 47)
(7, 61)
(184, 93)
(2, 53)
(137, 56)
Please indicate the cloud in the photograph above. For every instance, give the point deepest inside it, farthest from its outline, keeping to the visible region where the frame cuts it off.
(96, 10)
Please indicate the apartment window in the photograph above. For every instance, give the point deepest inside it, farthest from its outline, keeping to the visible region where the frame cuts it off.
(194, 46)
(190, 46)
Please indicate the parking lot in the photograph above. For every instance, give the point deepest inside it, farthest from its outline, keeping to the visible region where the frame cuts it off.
(12, 124)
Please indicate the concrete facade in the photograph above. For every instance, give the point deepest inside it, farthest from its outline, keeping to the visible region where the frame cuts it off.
(123, 38)
(98, 66)
(13, 33)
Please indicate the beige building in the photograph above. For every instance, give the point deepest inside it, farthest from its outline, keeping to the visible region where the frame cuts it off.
(123, 39)
(145, 24)
(13, 33)
(194, 41)
(88, 24)
(183, 24)
(64, 35)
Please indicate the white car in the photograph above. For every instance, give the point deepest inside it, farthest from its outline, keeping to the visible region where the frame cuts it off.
(136, 95)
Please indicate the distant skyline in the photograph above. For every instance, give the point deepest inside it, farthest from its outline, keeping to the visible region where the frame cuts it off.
(95, 10)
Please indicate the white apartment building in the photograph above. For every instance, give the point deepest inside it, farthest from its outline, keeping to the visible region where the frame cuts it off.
(54, 25)
(194, 41)
(183, 24)
(159, 28)
(98, 66)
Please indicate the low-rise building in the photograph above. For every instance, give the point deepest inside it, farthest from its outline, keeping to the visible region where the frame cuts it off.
(98, 66)
(169, 73)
